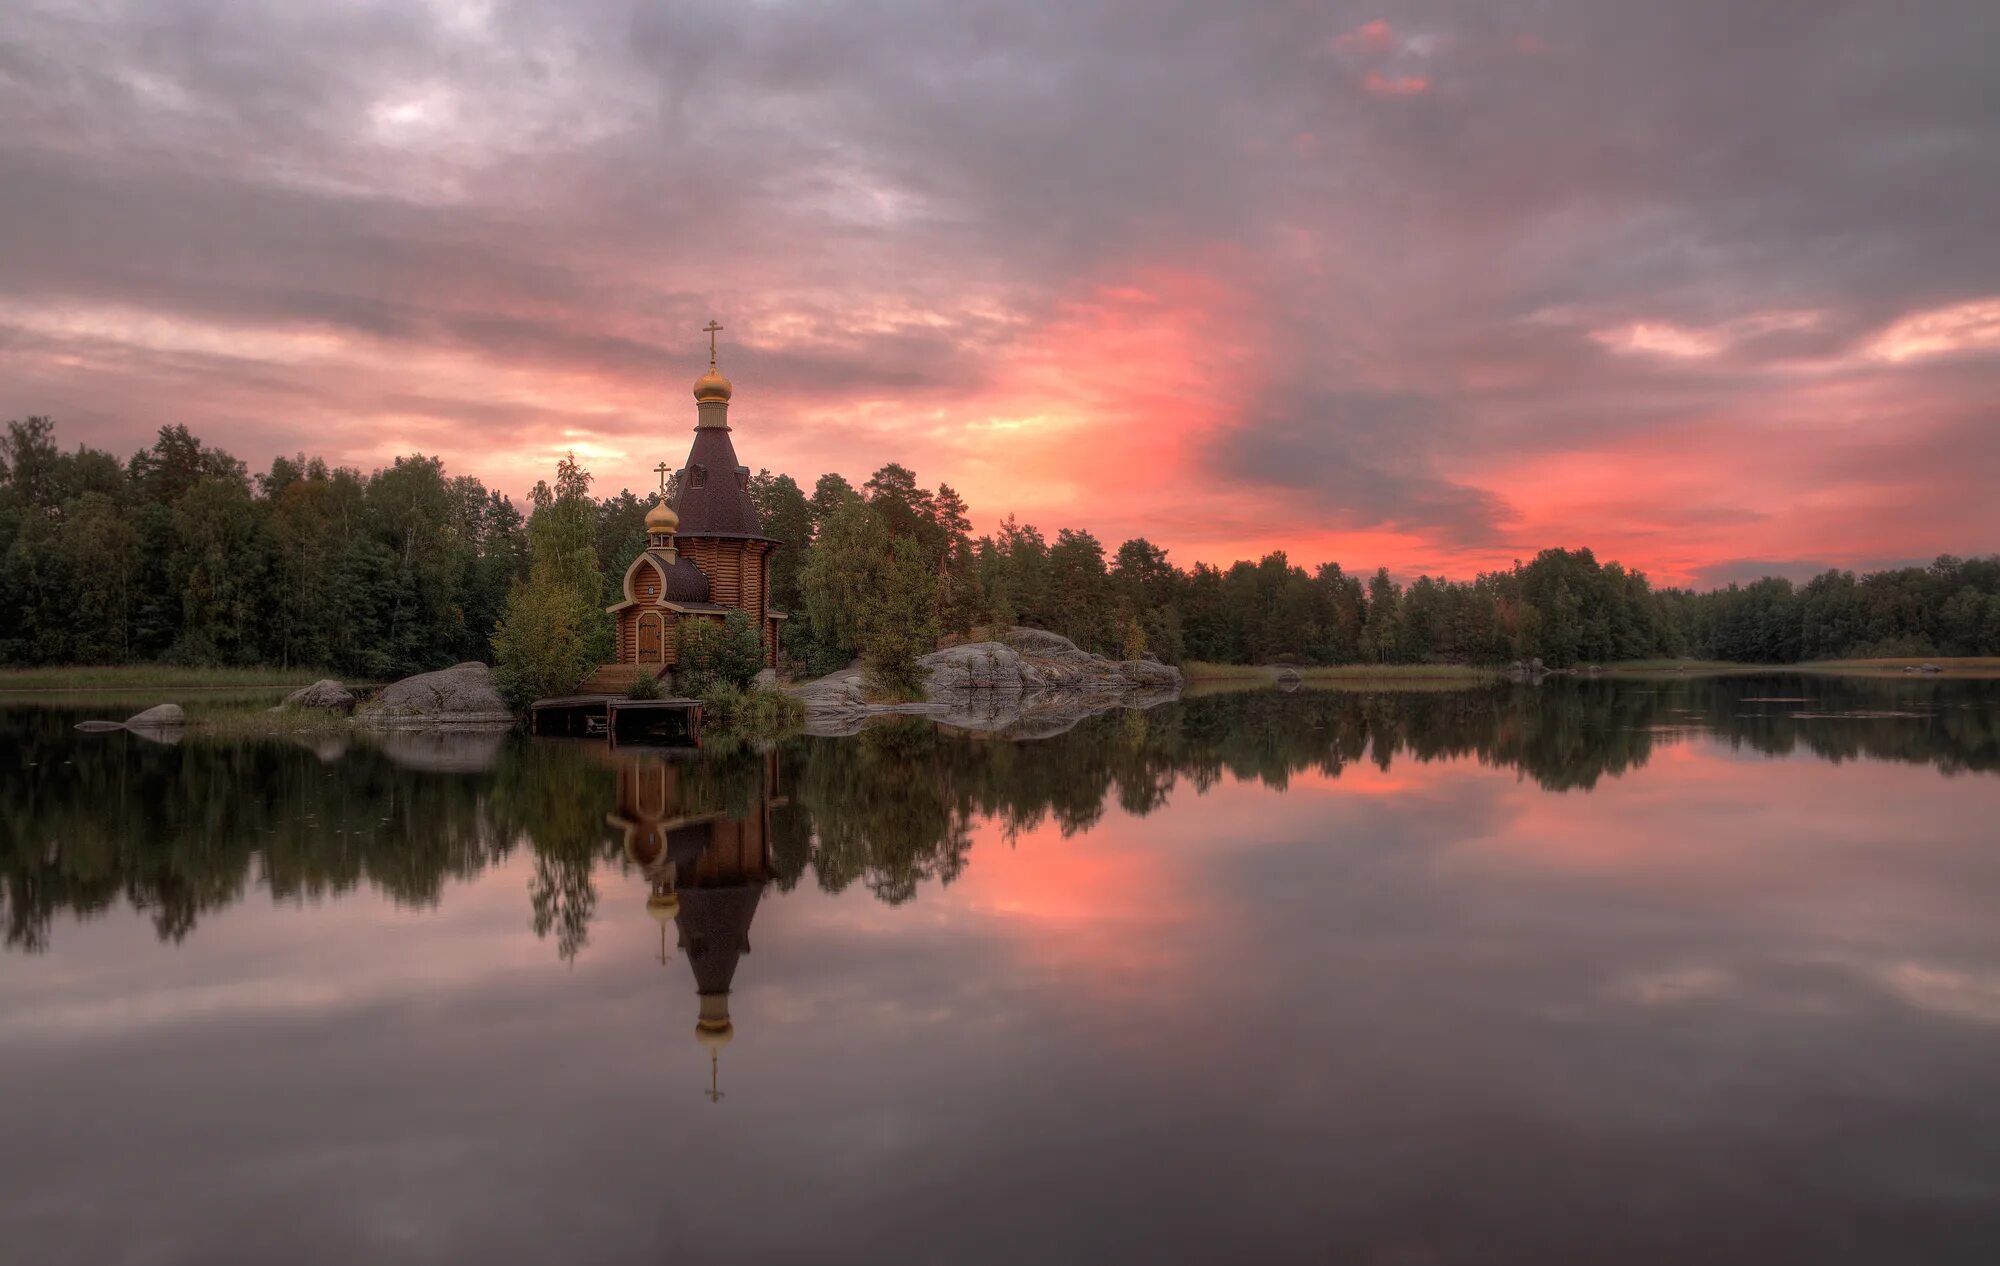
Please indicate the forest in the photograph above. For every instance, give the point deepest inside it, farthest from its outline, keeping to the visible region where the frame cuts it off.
(179, 554)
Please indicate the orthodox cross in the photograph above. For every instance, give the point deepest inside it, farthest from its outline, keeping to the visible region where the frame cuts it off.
(710, 330)
(714, 1095)
(662, 470)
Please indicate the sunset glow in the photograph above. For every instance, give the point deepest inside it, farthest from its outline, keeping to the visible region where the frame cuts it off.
(1426, 293)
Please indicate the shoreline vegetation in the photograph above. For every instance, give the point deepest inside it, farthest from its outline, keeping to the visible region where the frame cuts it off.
(239, 700)
(179, 556)
(1951, 665)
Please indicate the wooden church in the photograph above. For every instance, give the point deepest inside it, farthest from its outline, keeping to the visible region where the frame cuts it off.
(706, 554)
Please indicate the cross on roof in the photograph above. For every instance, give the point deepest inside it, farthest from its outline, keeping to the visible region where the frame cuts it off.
(710, 330)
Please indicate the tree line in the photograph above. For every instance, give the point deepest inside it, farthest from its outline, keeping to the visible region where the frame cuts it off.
(179, 554)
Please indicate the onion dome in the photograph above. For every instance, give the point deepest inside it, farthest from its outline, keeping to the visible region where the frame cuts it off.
(661, 518)
(713, 1035)
(711, 386)
(663, 906)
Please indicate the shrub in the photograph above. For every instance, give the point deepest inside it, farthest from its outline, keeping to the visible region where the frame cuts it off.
(645, 686)
(729, 653)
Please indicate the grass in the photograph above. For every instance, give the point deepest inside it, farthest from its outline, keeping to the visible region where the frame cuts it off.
(164, 677)
(258, 721)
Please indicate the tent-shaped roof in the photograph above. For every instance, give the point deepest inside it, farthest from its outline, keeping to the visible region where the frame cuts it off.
(714, 497)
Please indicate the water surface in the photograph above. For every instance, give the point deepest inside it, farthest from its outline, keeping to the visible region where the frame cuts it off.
(1604, 971)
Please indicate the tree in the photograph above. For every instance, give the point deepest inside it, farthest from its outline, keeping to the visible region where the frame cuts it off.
(787, 518)
(539, 647)
(838, 582)
(900, 621)
(554, 628)
(221, 562)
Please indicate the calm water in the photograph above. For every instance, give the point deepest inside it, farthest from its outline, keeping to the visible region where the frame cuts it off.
(1606, 972)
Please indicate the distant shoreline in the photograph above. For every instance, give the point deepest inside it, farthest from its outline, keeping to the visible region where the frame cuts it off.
(1435, 675)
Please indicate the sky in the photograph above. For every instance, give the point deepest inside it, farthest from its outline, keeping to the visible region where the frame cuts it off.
(1712, 287)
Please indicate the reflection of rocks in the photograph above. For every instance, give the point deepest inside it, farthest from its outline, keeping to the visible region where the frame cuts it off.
(160, 724)
(324, 695)
(459, 697)
(1032, 683)
(329, 748)
(442, 751)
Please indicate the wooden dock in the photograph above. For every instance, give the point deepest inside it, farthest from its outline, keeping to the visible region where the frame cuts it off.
(654, 722)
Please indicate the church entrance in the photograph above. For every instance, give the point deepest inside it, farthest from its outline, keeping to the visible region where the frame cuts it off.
(649, 638)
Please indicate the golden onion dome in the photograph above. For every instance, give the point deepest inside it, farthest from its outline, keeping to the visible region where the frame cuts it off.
(714, 1036)
(711, 386)
(663, 906)
(661, 518)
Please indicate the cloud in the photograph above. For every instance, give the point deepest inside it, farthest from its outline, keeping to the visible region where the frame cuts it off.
(1369, 37)
(1357, 460)
(1669, 238)
(1962, 327)
(1395, 86)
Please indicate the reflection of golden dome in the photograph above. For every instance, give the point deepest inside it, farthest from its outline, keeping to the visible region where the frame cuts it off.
(661, 518)
(663, 906)
(711, 386)
(712, 1035)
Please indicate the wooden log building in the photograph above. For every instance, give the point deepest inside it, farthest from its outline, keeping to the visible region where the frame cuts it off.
(706, 555)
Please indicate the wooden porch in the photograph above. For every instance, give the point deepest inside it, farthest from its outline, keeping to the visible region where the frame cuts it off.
(652, 722)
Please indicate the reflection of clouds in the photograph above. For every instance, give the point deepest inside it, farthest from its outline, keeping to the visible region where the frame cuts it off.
(1672, 985)
(1420, 1000)
(1965, 995)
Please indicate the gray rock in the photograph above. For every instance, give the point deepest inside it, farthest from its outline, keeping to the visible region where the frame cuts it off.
(324, 695)
(1032, 682)
(165, 716)
(459, 697)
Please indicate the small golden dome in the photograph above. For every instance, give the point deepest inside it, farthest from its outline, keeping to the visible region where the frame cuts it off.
(711, 386)
(714, 1036)
(663, 906)
(661, 518)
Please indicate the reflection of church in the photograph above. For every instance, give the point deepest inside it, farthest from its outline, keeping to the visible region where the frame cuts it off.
(707, 861)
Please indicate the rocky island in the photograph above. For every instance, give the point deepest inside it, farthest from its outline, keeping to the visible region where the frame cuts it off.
(1028, 684)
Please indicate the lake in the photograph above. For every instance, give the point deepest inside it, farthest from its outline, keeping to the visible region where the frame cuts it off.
(1697, 969)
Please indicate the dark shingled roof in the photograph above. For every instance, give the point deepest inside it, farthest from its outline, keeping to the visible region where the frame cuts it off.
(684, 581)
(714, 926)
(714, 498)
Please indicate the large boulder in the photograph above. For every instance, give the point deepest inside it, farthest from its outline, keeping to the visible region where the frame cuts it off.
(1030, 680)
(976, 666)
(324, 695)
(459, 697)
(166, 716)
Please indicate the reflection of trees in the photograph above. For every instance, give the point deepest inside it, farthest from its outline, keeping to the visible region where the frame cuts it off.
(180, 831)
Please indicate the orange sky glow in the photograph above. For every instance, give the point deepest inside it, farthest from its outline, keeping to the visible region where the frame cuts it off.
(1430, 293)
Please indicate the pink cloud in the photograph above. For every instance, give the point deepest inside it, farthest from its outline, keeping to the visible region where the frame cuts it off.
(1963, 327)
(1396, 85)
(1369, 37)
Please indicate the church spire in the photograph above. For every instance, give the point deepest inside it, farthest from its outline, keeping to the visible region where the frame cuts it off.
(711, 390)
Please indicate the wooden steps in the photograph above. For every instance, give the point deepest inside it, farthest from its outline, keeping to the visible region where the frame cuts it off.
(616, 679)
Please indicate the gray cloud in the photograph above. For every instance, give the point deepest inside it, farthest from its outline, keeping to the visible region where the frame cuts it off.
(573, 185)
